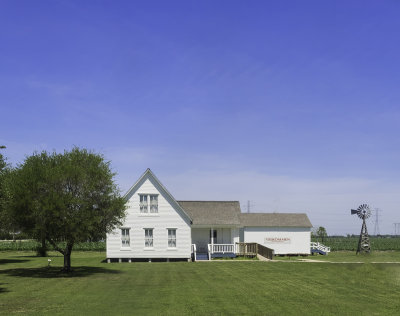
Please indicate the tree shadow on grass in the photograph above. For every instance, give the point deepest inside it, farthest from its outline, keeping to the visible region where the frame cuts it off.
(4, 261)
(55, 272)
(36, 256)
(2, 289)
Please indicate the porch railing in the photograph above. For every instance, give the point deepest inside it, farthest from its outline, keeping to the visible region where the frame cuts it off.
(265, 251)
(317, 245)
(221, 248)
(246, 248)
(241, 249)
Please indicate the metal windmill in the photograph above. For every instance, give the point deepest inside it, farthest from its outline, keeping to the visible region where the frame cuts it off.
(363, 212)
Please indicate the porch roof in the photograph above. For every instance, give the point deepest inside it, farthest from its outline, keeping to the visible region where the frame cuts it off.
(275, 220)
(212, 212)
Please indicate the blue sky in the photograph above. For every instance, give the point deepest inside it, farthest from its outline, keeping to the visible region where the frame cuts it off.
(293, 105)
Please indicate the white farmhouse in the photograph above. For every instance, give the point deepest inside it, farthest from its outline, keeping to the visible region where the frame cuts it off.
(158, 227)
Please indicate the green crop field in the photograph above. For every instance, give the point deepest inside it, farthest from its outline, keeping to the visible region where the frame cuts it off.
(287, 287)
(351, 243)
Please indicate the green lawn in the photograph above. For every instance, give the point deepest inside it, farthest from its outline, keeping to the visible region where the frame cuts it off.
(225, 287)
(350, 256)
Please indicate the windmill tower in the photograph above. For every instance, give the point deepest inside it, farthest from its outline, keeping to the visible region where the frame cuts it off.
(363, 212)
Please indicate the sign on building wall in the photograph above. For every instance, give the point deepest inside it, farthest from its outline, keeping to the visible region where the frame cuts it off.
(277, 240)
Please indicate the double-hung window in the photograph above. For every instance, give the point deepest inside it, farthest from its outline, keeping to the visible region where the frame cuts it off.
(171, 238)
(125, 239)
(148, 237)
(153, 203)
(148, 203)
(143, 203)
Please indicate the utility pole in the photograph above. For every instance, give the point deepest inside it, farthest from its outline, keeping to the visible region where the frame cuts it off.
(248, 206)
(396, 228)
(376, 229)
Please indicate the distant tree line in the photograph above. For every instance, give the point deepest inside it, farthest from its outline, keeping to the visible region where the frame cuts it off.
(319, 233)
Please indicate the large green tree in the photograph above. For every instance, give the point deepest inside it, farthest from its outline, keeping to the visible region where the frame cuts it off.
(321, 233)
(66, 198)
(3, 169)
(7, 224)
(3, 166)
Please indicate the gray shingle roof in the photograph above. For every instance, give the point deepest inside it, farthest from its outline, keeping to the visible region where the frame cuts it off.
(275, 219)
(228, 213)
(212, 212)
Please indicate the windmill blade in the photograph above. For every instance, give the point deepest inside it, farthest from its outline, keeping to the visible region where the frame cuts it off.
(363, 211)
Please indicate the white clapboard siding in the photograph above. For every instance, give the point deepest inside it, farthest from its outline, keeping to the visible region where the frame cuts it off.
(298, 243)
(168, 216)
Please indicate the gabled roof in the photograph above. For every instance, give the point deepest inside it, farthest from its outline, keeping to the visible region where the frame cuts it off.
(275, 220)
(212, 212)
(148, 173)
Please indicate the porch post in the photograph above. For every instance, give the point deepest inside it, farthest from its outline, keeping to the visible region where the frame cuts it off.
(212, 240)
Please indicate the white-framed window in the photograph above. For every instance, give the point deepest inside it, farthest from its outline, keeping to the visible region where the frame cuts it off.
(171, 237)
(153, 203)
(148, 237)
(125, 238)
(145, 206)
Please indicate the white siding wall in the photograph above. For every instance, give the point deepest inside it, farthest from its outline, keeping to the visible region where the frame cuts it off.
(235, 235)
(299, 243)
(223, 236)
(167, 217)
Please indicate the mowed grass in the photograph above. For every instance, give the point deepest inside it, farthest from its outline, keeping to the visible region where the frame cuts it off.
(214, 288)
(349, 256)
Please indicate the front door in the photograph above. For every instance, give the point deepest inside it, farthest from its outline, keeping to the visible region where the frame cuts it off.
(201, 237)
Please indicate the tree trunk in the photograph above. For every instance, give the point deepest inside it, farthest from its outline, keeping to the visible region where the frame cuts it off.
(67, 258)
(42, 251)
(67, 262)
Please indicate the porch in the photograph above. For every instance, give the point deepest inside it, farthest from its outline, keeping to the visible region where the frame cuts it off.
(232, 251)
(203, 236)
(211, 241)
